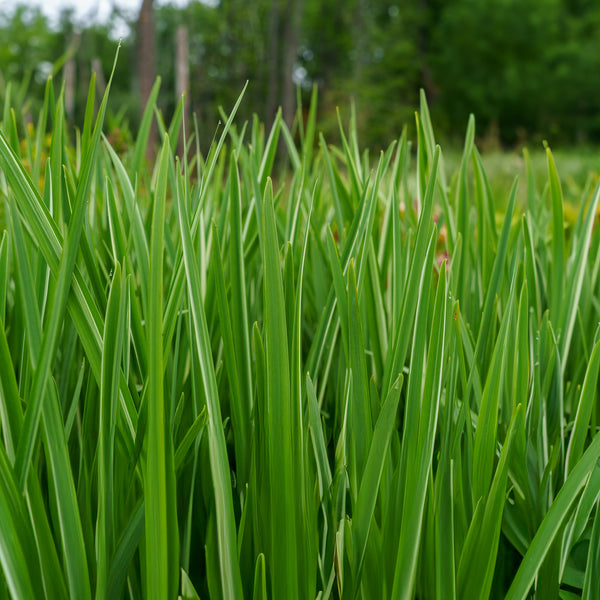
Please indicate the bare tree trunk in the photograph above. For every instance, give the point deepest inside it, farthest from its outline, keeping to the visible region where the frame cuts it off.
(146, 65)
(69, 74)
(182, 80)
(291, 37)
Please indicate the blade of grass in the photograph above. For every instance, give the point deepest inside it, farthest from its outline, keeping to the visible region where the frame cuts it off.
(493, 287)
(361, 430)
(476, 568)
(162, 561)
(139, 151)
(558, 241)
(109, 389)
(371, 477)
(487, 420)
(421, 416)
(228, 561)
(395, 362)
(585, 406)
(239, 413)
(593, 560)
(17, 552)
(282, 439)
(125, 549)
(239, 305)
(579, 260)
(553, 522)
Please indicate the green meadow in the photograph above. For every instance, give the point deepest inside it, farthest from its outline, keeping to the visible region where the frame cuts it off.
(280, 368)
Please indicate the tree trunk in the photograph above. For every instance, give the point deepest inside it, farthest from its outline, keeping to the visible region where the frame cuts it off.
(146, 65)
(182, 81)
(100, 79)
(69, 75)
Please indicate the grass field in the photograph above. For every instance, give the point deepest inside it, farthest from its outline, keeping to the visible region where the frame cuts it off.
(375, 377)
(578, 168)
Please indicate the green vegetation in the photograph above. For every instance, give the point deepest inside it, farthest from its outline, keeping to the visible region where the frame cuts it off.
(372, 377)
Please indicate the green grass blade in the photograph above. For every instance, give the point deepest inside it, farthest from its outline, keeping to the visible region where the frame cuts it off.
(188, 592)
(397, 356)
(139, 151)
(558, 241)
(59, 298)
(191, 435)
(162, 566)
(370, 481)
(10, 406)
(553, 522)
(332, 182)
(25, 277)
(237, 269)
(17, 555)
(495, 281)
(268, 158)
(124, 552)
(464, 268)
(260, 579)
(71, 531)
(228, 561)
(239, 409)
(573, 287)
(282, 439)
(3, 275)
(476, 568)
(421, 416)
(361, 424)
(318, 440)
(114, 334)
(487, 420)
(585, 406)
(593, 561)
(136, 223)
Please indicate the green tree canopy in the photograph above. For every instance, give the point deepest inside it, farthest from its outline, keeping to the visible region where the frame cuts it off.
(527, 68)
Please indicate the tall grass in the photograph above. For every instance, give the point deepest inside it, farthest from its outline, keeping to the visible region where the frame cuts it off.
(354, 380)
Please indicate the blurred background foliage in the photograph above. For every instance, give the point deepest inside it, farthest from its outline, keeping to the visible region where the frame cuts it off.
(528, 69)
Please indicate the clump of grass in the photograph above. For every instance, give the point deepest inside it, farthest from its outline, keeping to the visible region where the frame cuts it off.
(353, 384)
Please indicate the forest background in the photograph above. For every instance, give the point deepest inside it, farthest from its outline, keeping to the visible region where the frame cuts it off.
(528, 69)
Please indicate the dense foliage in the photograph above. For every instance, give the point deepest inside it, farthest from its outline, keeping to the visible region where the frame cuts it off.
(527, 68)
(358, 381)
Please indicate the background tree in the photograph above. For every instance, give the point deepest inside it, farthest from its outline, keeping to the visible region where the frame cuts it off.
(27, 52)
(146, 62)
(526, 68)
(391, 69)
(291, 35)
